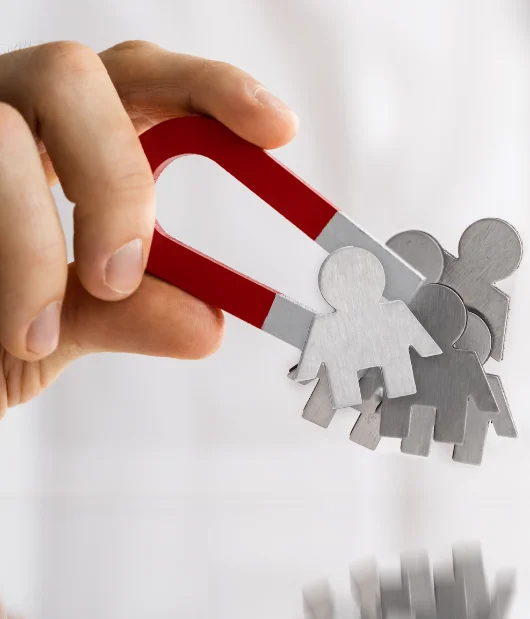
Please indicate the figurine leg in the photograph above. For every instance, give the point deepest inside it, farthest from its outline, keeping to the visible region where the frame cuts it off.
(450, 426)
(366, 429)
(319, 408)
(395, 417)
(472, 449)
(345, 390)
(418, 442)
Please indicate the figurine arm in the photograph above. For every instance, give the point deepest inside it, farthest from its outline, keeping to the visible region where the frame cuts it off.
(480, 389)
(312, 355)
(503, 422)
(420, 339)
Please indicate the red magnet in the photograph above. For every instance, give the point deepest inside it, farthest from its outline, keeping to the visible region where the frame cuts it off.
(223, 287)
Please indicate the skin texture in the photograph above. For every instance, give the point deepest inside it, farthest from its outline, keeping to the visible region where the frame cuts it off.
(65, 115)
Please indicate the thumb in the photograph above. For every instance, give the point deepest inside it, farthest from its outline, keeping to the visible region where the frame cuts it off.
(157, 320)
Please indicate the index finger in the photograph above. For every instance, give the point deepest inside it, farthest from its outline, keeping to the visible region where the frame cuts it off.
(155, 84)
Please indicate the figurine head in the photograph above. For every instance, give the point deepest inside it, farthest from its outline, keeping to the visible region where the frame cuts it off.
(492, 247)
(351, 277)
(441, 312)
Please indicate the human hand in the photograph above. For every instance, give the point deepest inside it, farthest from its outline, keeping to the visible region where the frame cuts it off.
(72, 116)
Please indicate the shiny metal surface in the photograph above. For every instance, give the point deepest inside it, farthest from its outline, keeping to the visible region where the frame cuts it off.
(445, 381)
(422, 422)
(395, 603)
(366, 431)
(478, 422)
(476, 337)
(469, 570)
(319, 407)
(415, 596)
(421, 251)
(289, 321)
(416, 575)
(503, 422)
(402, 281)
(362, 332)
(472, 449)
(456, 591)
(502, 598)
(450, 597)
(489, 251)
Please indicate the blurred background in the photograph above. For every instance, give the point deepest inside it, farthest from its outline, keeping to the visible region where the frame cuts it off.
(147, 487)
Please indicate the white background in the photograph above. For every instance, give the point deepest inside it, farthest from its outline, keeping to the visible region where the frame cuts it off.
(141, 487)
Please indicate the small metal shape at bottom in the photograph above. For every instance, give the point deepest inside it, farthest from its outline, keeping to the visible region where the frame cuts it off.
(457, 591)
(451, 600)
(395, 603)
(318, 602)
(366, 590)
(416, 574)
(469, 570)
(414, 597)
(502, 598)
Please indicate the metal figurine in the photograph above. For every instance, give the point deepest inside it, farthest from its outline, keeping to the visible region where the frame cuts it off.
(366, 431)
(367, 428)
(476, 337)
(444, 382)
(362, 332)
(457, 592)
(490, 250)
(281, 189)
(472, 449)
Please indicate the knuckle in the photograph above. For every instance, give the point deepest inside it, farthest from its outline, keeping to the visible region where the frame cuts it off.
(135, 45)
(220, 66)
(130, 187)
(129, 196)
(66, 58)
(205, 69)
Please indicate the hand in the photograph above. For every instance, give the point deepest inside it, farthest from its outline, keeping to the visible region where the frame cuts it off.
(70, 115)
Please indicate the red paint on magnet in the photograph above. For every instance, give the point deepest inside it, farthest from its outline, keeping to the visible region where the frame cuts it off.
(209, 280)
(200, 275)
(255, 168)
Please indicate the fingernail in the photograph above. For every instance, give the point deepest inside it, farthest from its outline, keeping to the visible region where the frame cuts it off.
(266, 98)
(124, 268)
(43, 333)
